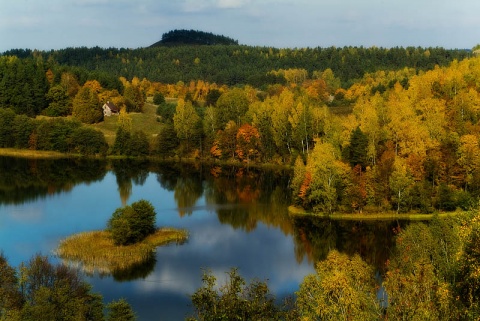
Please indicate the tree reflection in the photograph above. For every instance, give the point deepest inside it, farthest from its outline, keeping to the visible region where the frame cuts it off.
(127, 171)
(253, 195)
(24, 179)
(187, 192)
(136, 271)
(373, 241)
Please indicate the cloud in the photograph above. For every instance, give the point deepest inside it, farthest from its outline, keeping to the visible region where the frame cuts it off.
(232, 4)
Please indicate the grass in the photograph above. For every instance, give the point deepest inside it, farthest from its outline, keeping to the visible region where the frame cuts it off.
(298, 212)
(95, 251)
(145, 121)
(27, 153)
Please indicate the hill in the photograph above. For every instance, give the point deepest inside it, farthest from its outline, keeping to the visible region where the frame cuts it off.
(193, 37)
(234, 64)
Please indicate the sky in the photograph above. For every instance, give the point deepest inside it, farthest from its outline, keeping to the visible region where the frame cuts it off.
(57, 24)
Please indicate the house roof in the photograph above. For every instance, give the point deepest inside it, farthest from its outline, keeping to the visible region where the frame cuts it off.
(112, 106)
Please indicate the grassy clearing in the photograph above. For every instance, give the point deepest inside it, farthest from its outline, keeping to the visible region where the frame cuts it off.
(297, 212)
(95, 251)
(145, 121)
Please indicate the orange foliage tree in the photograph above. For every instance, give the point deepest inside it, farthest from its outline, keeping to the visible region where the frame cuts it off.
(248, 145)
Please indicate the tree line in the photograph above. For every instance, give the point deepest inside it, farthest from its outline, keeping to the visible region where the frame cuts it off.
(239, 64)
(402, 140)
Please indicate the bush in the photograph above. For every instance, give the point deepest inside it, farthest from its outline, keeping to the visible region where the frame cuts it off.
(131, 224)
(120, 311)
(158, 99)
(88, 141)
(40, 290)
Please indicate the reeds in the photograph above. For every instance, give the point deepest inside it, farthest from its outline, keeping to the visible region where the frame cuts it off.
(298, 212)
(95, 251)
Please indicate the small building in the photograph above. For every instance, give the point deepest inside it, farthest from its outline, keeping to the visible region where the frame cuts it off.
(110, 109)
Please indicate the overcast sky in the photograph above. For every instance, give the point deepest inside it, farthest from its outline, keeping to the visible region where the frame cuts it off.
(55, 24)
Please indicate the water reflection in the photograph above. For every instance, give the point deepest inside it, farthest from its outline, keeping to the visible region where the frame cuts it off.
(136, 271)
(235, 216)
(373, 241)
(23, 180)
(128, 171)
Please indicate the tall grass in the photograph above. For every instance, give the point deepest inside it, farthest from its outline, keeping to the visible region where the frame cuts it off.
(28, 153)
(95, 251)
(298, 212)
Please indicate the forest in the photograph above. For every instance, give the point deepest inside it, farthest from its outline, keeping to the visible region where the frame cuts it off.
(365, 130)
(375, 140)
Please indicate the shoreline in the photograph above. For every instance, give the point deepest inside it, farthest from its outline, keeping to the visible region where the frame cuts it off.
(297, 212)
(41, 154)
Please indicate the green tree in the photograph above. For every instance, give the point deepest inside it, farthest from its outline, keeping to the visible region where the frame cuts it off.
(421, 274)
(186, 122)
(281, 128)
(158, 99)
(86, 106)
(23, 127)
(300, 119)
(356, 151)
(139, 145)
(120, 311)
(7, 117)
(327, 173)
(59, 102)
(167, 141)
(122, 141)
(231, 106)
(57, 292)
(88, 141)
(134, 97)
(131, 224)
(55, 134)
(166, 111)
(343, 288)
(12, 300)
(212, 97)
(235, 300)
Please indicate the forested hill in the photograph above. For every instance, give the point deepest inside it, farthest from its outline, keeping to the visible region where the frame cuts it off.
(193, 37)
(239, 64)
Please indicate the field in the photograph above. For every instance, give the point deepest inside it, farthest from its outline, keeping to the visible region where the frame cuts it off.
(145, 121)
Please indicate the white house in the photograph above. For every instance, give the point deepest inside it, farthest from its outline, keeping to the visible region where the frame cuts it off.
(110, 109)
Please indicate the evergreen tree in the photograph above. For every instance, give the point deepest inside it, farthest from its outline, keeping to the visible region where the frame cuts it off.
(357, 149)
(167, 141)
(122, 143)
(139, 145)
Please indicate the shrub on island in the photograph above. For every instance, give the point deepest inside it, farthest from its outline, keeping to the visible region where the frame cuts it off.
(130, 239)
(132, 224)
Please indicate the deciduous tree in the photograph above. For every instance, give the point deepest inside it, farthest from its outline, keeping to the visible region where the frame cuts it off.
(343, 288)
(86, 106)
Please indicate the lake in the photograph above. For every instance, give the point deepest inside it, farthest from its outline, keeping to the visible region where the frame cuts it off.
(236, 217)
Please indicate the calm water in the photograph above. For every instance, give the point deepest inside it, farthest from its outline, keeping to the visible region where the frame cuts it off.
(236, 218)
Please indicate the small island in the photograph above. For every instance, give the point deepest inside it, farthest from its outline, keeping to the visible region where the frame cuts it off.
(130, 239)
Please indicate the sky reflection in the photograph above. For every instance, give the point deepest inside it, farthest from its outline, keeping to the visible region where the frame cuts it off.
(264, 252)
